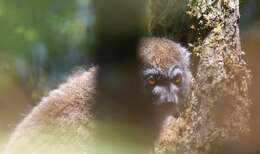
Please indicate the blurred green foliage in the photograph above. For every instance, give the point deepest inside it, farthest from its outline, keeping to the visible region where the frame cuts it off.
(41, 39)
(24, 22)
(250, 13)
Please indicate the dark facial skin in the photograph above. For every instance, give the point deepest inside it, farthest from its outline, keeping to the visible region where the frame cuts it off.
(166, 87)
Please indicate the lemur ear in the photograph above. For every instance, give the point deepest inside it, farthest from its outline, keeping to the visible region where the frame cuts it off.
(185, 55)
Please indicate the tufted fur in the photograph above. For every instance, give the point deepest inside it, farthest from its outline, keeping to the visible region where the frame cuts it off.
(163, 53)
(63, 122)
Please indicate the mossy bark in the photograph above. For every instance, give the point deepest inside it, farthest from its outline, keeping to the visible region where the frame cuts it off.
(217, 114)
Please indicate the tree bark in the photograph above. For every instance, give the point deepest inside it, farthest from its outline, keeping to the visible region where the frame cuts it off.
(217, 115)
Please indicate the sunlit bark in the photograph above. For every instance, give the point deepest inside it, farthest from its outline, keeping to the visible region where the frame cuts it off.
(217, 115)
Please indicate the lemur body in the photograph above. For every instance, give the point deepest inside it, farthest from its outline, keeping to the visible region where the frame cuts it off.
(64, 118)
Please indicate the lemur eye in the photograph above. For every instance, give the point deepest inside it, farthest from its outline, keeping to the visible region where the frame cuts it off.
(177, 79)
(151, 79)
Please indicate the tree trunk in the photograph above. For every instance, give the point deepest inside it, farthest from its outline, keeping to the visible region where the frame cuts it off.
(217, 115)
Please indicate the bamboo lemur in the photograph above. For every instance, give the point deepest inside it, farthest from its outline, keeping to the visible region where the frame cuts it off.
(67, 111)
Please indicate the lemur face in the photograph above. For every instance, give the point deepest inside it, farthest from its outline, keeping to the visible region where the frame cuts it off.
(166, 73)
(167, 86)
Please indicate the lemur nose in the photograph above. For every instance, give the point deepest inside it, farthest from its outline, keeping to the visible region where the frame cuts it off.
(171, 100)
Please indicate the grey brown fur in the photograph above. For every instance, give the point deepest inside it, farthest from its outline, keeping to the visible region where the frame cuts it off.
(63, 121)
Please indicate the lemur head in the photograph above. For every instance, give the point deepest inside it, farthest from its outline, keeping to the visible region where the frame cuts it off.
(166, 72)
